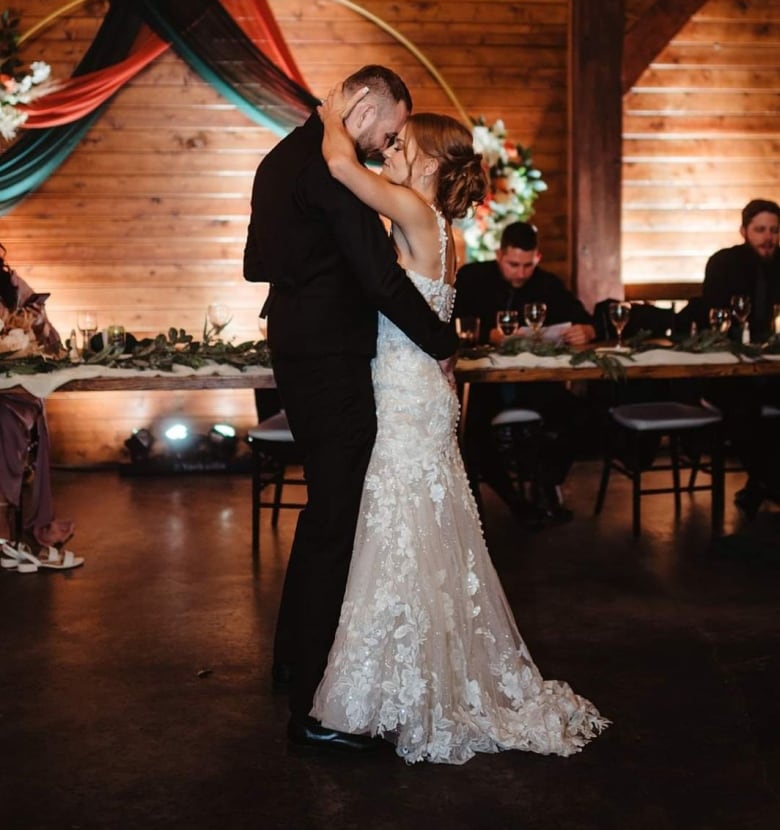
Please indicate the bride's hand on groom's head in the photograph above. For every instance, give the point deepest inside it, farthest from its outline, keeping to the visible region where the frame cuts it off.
(337, 105)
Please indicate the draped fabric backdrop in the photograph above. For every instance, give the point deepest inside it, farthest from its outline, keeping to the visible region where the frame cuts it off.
(234, 45)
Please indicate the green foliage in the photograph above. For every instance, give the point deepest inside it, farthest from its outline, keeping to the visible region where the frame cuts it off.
(160, 353)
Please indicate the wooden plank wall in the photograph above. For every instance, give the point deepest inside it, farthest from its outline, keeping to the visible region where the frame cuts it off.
(146, 220)
(701, 137)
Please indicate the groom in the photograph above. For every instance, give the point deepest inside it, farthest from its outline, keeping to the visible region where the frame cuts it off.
(331, 267)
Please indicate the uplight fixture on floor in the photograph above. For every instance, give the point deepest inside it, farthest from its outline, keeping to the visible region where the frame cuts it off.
(178, 436)
(222, 438)
(139, 444)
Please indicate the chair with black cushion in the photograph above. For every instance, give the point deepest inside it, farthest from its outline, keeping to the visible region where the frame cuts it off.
(672, 420)
(517, 432)
(273, 452)
(767, 411)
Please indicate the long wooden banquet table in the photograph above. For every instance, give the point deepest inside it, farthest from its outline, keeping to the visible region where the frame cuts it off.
(493, 368)
(651, 364)
(658, 364)
(662, 363)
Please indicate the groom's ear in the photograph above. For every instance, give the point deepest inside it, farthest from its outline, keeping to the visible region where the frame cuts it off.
(365, 113)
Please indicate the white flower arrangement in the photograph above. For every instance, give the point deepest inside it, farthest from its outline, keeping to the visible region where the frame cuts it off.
(515, 184)
(17, 86)
(20, 90)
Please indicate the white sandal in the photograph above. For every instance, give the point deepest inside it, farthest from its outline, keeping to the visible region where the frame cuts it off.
(10, 555)
(59, 560)
(26, 562)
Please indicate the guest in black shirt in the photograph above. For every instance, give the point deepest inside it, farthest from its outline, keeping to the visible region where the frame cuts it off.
(484, 288)
(751, 269)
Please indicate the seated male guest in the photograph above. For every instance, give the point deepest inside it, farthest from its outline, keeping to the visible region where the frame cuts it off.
(751, 269)
(508, 282)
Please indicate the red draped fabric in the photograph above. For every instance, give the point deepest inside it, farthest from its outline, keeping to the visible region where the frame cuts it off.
(79, 96)
(76, 97)
(259, 25)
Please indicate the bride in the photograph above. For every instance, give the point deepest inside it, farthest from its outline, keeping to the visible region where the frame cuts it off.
(427, 653)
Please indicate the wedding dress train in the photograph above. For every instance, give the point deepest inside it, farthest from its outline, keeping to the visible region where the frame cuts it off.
(427, 653)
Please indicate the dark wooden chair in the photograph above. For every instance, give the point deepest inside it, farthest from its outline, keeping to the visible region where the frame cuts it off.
(671, 420)
(273, 453)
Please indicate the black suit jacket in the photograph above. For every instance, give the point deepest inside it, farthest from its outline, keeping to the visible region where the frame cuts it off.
(736, 270)
(329, 260)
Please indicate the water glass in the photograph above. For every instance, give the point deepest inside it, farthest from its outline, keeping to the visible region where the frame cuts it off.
(720, 319)
(87, 322)
(468, 330)
(508, 322)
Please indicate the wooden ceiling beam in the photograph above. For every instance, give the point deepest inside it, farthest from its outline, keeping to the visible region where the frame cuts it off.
(650, 34)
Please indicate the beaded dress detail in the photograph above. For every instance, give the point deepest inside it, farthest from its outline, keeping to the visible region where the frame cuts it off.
(427, 653)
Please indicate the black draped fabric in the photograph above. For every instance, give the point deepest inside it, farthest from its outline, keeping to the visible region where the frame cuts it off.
(30, 160)
(208, 38)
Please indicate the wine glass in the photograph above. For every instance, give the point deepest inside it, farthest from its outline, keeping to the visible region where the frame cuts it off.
(618, 316)
(740, 308)
(534, 315)
(217, 316)
(508, 321)
(468, 330)
(720, 319)
(87, 323)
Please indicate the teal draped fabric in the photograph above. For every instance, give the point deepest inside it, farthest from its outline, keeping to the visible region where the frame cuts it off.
(214, 45)
(30, 160)
(207, 38)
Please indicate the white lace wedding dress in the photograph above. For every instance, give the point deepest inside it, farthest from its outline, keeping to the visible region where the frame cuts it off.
(427, 652)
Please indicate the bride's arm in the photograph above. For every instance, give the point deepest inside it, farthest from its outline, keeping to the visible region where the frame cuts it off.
(399, 204)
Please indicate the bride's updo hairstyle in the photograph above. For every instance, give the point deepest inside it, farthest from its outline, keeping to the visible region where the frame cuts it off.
(462, 179)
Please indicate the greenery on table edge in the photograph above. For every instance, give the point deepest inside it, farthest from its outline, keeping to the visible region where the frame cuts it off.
(611, 362)
(160, 353)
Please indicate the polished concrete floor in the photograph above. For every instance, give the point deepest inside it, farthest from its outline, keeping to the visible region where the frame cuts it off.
(135, 691)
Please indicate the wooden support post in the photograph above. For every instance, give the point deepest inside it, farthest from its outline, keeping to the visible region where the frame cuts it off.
(596, 32)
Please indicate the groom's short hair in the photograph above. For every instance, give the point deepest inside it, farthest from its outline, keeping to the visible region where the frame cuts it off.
(383, 82)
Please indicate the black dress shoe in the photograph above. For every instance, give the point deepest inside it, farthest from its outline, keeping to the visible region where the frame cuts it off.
(312, 733)
(529, 515)
(750, 498)
(557, 514)
(548, 503)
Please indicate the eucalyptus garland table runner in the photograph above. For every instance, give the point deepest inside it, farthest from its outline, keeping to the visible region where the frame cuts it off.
(177, 354)
(707, 348)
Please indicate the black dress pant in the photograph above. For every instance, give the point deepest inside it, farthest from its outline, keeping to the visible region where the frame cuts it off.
(755, 439)
(329, 401)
